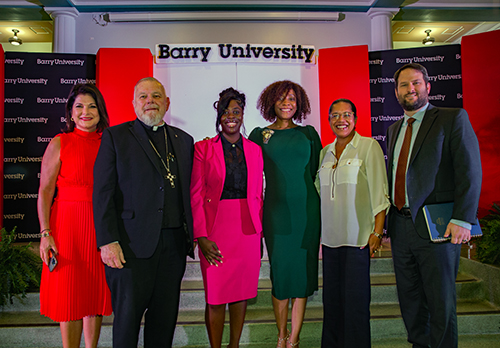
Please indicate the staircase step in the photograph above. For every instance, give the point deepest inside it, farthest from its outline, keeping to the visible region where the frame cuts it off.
(29, 329)
(465, 341)
(193, 297)
(192, 282)
(383, 291)
(21, 325)
(378, 264)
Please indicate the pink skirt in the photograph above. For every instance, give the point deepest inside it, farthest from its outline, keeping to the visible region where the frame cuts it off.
(237, 278)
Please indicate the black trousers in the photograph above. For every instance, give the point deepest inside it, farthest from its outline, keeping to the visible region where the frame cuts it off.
(425, 279)
(346, 297)
(152, 286)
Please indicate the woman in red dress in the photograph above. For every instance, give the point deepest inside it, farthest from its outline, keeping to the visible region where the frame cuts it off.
(226, 196)
(74, 292)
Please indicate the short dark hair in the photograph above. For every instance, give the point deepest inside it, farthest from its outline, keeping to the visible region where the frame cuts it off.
(414, 66)
(90, 89)
(343, 100)
(225, 98)
(272, 93)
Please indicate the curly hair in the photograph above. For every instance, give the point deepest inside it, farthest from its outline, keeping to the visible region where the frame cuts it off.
(90, 89)
(272, 93)
(225, 98)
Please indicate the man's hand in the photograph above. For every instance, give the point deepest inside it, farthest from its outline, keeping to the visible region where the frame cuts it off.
(458, 234)
(112, 255)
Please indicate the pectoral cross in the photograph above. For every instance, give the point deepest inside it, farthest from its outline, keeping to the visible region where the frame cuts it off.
(170, 177)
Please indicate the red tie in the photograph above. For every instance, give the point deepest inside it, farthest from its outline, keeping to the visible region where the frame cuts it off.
(400, 184)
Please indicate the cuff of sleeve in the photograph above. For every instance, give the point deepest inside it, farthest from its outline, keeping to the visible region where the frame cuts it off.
(461, 223)
(108, 244)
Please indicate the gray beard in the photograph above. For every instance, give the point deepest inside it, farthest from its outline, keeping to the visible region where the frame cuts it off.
(151, 121)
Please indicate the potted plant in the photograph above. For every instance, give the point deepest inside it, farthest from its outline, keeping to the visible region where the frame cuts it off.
(20, 268)
(488, 246)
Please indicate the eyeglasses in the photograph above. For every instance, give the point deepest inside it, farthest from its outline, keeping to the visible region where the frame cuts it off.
(346, 115)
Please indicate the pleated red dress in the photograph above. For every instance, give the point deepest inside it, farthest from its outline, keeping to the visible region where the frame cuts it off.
(77, 287)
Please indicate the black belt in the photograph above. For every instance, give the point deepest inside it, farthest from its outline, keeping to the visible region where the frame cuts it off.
(403, 211)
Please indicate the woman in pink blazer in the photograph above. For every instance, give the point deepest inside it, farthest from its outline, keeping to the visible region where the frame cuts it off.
(226, 198)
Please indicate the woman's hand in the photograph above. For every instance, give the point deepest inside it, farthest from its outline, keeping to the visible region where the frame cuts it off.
(374, 244)
(51, 163)
(47, 243)
(210, 251)
(374, 241)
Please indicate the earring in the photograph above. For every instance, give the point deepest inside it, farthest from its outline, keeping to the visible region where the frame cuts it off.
(72, 119)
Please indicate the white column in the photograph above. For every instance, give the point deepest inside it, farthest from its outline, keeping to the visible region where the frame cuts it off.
(64, 28)
(381, 28)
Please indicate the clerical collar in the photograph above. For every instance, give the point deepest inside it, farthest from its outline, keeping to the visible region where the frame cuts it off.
(153, 128)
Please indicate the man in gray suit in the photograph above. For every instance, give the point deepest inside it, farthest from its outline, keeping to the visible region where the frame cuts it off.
(437, 153)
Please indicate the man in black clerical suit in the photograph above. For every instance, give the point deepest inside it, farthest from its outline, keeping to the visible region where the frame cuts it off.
(142, 216)
(442, 164)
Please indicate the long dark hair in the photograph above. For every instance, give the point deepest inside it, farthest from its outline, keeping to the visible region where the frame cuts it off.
(90, 89)
(221, 105)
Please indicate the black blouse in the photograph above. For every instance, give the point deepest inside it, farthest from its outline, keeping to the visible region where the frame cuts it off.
(235, 183)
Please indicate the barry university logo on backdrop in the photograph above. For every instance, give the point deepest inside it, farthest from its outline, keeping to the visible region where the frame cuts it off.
(235, 53)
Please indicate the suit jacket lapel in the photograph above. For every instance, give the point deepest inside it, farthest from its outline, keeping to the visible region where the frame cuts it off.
(428, 120)
(140, 134)
(250, 160)
(214, 156)
(219, 155)
(183, 161)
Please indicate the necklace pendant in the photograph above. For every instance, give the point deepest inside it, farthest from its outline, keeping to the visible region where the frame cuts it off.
(171, 178)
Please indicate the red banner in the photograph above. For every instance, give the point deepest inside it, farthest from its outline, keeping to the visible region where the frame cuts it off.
(480, 76)
(344, 73)
(118, 70)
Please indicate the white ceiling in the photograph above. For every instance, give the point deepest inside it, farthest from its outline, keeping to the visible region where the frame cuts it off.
(403, 31)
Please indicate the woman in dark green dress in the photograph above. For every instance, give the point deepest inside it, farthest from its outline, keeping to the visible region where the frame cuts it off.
(291, 221)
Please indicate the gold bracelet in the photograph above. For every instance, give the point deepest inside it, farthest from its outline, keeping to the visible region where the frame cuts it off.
(379, 236)
(45, 232)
